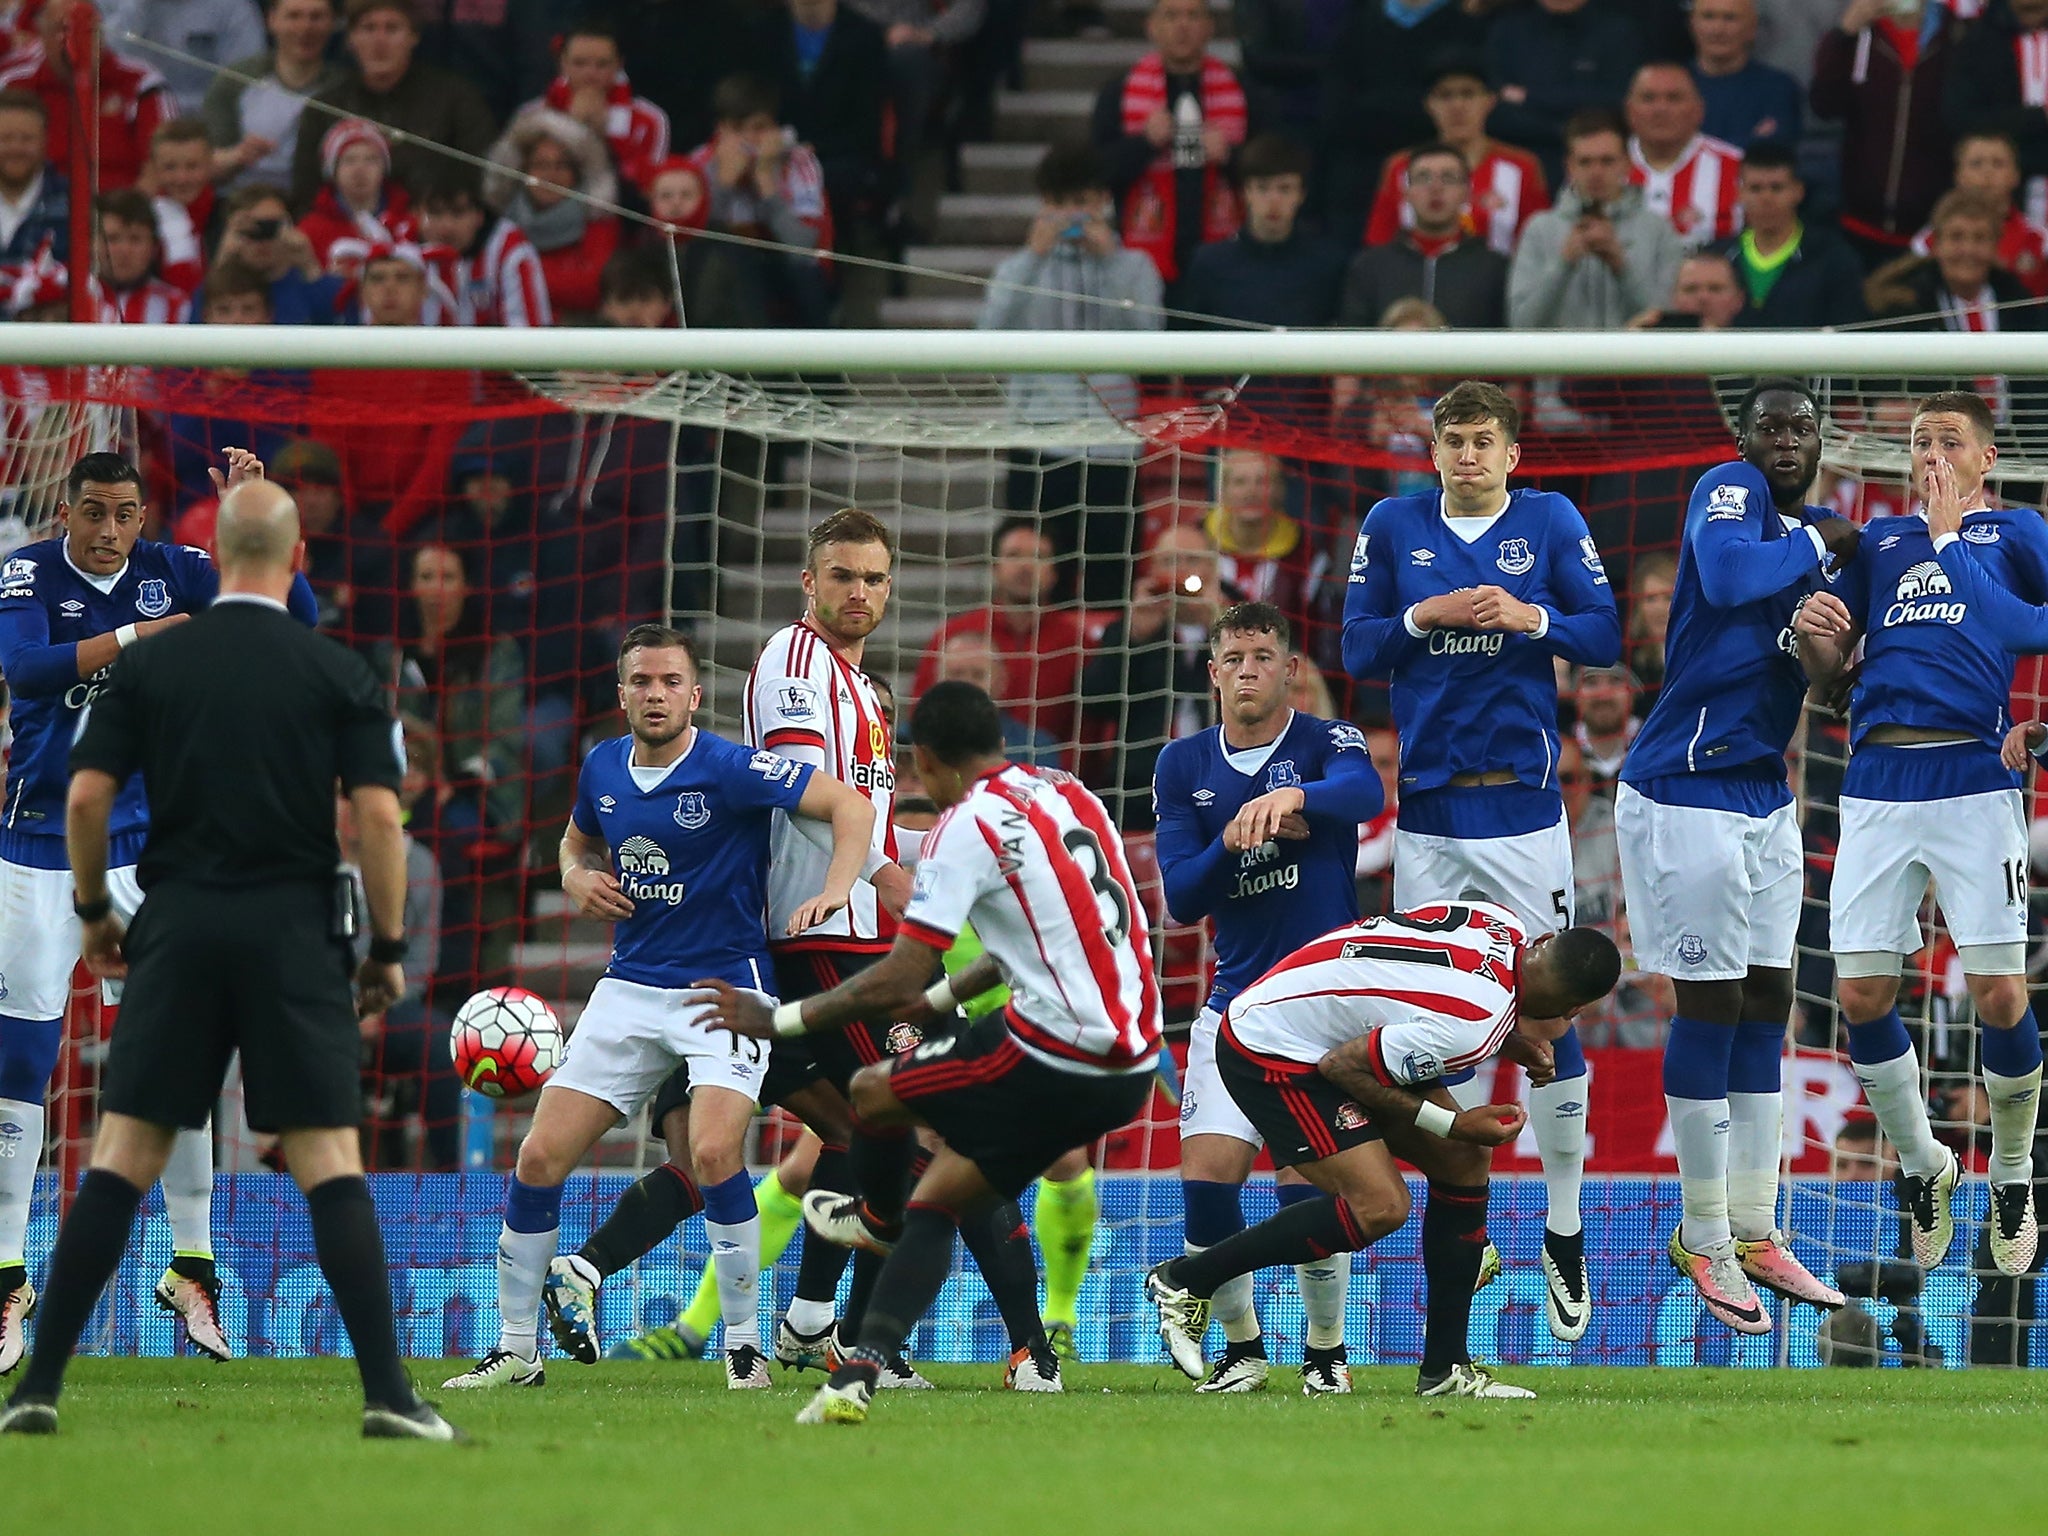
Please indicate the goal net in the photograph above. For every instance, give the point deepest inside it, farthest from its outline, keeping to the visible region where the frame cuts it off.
(485, 536)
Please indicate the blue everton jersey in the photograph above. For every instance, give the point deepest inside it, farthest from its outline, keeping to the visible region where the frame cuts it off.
(690, 849)
(1266, 902)
(1473, 701)
(1933, 657)
(1732, 680)
(47, 606)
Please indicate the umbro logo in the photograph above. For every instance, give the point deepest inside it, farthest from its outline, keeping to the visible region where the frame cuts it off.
(1204, 796)
(72, 608)
(1887, 541)
(607, 804)
(1421, 556)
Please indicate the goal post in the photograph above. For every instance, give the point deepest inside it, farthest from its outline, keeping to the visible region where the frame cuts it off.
(493, 508)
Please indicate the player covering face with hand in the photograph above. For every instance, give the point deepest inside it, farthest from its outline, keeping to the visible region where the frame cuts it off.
(1941, 601)
(669, 842)
(1337, 1056)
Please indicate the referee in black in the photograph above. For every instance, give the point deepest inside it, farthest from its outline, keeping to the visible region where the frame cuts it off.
(241, 722)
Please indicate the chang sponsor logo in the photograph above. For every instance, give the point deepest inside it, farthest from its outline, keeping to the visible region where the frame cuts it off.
(643, 863)
(1925, 596)
(1453, 642)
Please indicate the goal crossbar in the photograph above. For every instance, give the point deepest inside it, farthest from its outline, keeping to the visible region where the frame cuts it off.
(877, 352)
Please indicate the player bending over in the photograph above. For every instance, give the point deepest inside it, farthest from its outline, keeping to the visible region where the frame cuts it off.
(1337, 1057)
(1258, 831)
(1029, 856)
(1709, 844)
(668, 841)
(1941, 600)
(1467, 598)
(68, 607)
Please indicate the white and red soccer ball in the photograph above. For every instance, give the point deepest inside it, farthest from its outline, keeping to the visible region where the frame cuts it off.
(506, 1042)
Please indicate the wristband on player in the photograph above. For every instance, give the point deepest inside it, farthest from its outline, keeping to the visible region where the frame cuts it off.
(1435, 1119)
(388, 951)
(940, 999)
(125, 636)
(92, 911)
(788, 1019)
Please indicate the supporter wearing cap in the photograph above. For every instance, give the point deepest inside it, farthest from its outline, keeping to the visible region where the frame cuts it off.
(357, 198)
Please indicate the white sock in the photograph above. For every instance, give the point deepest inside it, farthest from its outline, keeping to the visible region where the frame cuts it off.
(1231, 1306)
(1699, 1132)
(809, 1316)
(188, 1193)
(1557, 1115)
(2015, 1108)
(1900, 1104)
(736, 1259)
(523, 1259)
(21, 1149)
(1324, 1287)
(1472, 1092)
(1755, 1144)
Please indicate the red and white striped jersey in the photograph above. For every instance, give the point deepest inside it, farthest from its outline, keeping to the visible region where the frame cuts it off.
(150, 302)
(181, 256)
(1507, 191)
(1697, 193)
(1435, 990)
(502, 284)
(2022, 248)
(1030, 857)
(808, 702)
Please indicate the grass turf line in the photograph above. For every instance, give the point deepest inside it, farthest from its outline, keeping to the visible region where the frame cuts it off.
(167, 1445)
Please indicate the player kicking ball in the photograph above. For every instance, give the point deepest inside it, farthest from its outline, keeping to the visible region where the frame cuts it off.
(1030, 858)
(1941, 600)
(669, 842)
(1337, 1057)
(1709, 842)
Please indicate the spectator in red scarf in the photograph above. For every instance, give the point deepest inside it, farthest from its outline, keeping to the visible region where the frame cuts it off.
(1260, 550)
(133, 99)
(357, 198)
(125, 262)
(179, 177)
(593, 89)
(543, 157)
(484, 259)
(1168, 129)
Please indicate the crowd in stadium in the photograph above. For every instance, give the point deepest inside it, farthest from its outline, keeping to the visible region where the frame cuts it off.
(1414, 164)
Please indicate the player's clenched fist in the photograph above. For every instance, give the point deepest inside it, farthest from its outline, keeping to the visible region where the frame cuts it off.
(1823, 616)
(596, 894)
(1489, 1125)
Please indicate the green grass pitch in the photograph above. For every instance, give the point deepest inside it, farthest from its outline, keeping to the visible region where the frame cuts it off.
(182, 1446)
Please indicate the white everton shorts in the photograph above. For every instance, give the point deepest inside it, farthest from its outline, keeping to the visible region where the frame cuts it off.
(1206, 1107)
(1708, 893)
(631, 1037)
(39, 935)
(1974, 850)
(1530, 873)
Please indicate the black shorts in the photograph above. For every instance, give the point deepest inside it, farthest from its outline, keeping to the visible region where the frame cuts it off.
(792, 1067)
(1301, 1115)
(840, 1052)
(1006, 1110)
(214, 970)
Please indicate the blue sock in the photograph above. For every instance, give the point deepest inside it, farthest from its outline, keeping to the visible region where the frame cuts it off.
(532, 1207)
(1757, 1064)
(731, 1202)
(2013, 1052)
(1294, 1194)
(1697, 1057)
(1213, 1212)
(1569, 1054)
(1881, 1040)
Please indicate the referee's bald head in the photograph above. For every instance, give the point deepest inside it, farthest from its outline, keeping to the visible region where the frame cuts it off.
(257, 530)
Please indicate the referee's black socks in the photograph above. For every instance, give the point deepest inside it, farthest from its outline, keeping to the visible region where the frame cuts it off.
(350, 1249)
(89, 1249)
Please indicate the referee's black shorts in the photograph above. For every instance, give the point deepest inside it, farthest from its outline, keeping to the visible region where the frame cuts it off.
(213, 970)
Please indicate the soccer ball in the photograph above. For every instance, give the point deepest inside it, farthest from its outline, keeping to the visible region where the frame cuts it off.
(506, 1042)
